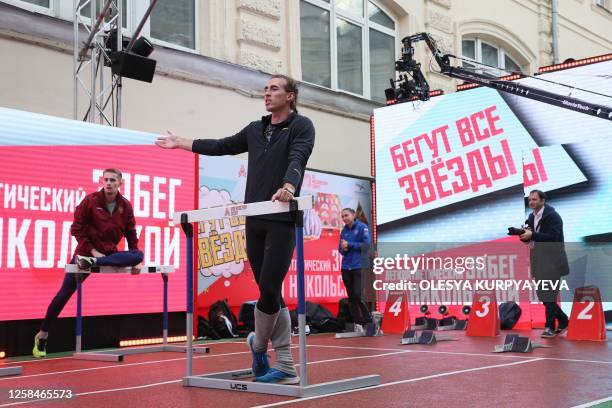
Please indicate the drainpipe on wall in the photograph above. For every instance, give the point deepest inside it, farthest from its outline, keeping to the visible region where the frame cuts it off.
(555, 32)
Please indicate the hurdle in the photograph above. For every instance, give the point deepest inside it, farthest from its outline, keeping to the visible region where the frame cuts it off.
(118, 354)
(8, 371)
(235, 380)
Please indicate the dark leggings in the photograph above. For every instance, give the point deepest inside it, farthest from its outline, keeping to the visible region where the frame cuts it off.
(352, 282)
(270, 248)
(69, 285)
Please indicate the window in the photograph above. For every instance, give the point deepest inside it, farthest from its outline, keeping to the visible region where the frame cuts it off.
(347, 45)
(42, 3)
(86, 11)
(174, 22)
(350, 57)
(316, 54)
(477, 50)
(605, 4)
(382, 63)
(39, 6)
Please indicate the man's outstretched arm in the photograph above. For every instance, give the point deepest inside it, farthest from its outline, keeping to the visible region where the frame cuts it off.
(172, 141)
(235, 144)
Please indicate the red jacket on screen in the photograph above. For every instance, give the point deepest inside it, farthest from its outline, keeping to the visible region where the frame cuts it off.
(95, 227)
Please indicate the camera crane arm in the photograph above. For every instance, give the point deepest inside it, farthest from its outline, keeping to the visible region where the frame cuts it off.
(443, 60)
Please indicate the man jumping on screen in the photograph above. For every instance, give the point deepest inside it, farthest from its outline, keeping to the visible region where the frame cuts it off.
(279, 146)
(101, 220)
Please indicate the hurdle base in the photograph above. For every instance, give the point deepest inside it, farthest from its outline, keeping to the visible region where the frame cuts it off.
(233, 381)
(183, 349)
(369, 330)
(117, 354)
(350, 335)
(111, 355)
(7, 371)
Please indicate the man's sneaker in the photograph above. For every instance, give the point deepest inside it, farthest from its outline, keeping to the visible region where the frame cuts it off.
(85, 262)
(40, 347)
(548, 333)
(560, 330)
(274, 376)
(260, 360)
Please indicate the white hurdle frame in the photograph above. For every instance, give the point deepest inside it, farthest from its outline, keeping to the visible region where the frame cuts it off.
(8, 371)
(235, 380)
(118, 353)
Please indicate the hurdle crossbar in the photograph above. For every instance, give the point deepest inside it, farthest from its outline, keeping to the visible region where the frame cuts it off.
(72, 268)
(239, 380)
(8, 371)
(243, 210)
(118, 354)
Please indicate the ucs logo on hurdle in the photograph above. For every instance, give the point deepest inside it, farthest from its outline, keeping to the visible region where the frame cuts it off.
(238, 386)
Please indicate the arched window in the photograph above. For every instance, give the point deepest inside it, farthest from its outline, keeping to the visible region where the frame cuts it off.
(347, 45)
(479, 50)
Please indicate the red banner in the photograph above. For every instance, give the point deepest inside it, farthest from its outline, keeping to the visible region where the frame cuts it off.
(40, 188)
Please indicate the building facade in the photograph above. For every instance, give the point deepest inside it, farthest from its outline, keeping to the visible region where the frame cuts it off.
(214, 57)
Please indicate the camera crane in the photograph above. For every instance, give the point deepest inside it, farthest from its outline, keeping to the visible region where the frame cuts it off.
(413, 85)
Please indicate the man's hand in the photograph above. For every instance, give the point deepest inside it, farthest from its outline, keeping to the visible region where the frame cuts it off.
(172, 141)
(285, 193)
(344, 245)
(526, 236)
(96, 253)
(135, 270)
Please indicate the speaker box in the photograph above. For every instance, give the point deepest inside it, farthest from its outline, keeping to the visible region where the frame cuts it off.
(130, 65)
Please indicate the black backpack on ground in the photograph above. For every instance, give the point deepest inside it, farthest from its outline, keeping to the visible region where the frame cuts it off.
(321, 320)
(328, 325)
(206, 330)
(222, 320)
(509, 315)
(246, 315)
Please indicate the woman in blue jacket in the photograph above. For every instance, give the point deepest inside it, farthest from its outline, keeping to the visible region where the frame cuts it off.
(354, 245)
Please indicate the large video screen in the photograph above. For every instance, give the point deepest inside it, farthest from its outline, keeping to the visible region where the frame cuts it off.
(48, 165)
(456, 169)
(223, 268)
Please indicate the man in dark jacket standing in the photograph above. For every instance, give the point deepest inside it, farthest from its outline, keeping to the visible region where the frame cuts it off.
(101, 220)
(279, 146)
(548, 258)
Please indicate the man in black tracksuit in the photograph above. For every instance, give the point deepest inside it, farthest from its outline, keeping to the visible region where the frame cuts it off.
(279, 146)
